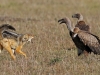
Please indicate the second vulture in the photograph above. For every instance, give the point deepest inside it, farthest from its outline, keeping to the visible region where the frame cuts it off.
(81, 23)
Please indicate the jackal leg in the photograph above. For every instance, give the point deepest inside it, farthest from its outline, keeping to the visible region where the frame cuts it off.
(1, 48)
(18, 49)
(86, 53)
(10, 51)
(5, 43)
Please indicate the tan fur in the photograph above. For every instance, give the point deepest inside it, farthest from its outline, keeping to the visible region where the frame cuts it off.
(10, 44)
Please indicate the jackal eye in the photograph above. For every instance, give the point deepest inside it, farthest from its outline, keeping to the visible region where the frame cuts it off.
(25, 39)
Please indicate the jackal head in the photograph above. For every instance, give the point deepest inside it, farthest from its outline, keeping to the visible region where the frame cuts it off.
(27, 38)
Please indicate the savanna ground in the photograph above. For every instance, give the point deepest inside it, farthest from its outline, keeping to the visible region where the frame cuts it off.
(52, 51)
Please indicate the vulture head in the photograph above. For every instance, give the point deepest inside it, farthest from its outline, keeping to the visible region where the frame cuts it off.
(78, 16)
(64, 20)
(67, 22)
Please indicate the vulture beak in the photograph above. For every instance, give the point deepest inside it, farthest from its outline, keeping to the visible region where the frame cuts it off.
(61, 21)
(73, 16)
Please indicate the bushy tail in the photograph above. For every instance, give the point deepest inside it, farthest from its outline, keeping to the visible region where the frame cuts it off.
(7, 26)
(10, 34)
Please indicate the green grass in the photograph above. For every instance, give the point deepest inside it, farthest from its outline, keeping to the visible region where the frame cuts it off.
(52, 51)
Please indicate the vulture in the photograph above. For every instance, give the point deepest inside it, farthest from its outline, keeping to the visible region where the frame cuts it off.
(88, 39)
(83, 40)
(80, 23)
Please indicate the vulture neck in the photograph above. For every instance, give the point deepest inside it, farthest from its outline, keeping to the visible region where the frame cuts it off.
(80, 18)
(68, 24)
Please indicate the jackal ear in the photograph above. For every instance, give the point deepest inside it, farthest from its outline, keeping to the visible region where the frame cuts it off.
(25, 37)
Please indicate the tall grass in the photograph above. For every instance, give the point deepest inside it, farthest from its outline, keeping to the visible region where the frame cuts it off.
(52, 51)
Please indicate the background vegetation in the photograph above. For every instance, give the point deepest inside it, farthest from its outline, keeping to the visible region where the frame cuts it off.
(52, 51)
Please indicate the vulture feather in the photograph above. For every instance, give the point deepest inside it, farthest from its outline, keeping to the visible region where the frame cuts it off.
(80, 23)
(88, 39)
(77, 41)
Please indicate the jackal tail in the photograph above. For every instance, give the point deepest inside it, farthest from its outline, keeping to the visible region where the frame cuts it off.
(9, 34)
(7, 26)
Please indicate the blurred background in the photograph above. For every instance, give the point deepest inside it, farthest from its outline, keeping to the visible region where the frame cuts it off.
(52, 51)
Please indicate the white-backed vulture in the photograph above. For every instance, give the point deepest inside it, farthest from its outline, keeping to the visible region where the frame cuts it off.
(88, 39)
(81, 23)
(79, 44)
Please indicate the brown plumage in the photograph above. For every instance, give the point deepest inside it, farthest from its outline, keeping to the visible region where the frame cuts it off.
(80, 46)
(80, 23)
(84, 40)
(90, 40)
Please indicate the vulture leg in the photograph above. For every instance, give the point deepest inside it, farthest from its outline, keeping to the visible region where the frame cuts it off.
(85, 53)
(80, 52)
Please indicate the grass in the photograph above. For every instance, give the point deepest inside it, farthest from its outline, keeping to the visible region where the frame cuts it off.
(52, 51)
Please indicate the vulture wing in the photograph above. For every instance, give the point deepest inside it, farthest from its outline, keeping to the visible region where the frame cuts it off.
(82, 26)
(90, 40)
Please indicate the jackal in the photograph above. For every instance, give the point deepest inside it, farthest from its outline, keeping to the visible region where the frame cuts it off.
(14, 42)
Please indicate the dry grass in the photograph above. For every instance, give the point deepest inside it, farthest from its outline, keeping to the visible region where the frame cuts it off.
(49, 53)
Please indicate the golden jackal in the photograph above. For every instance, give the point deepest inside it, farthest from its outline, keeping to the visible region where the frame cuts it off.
(15, 45)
